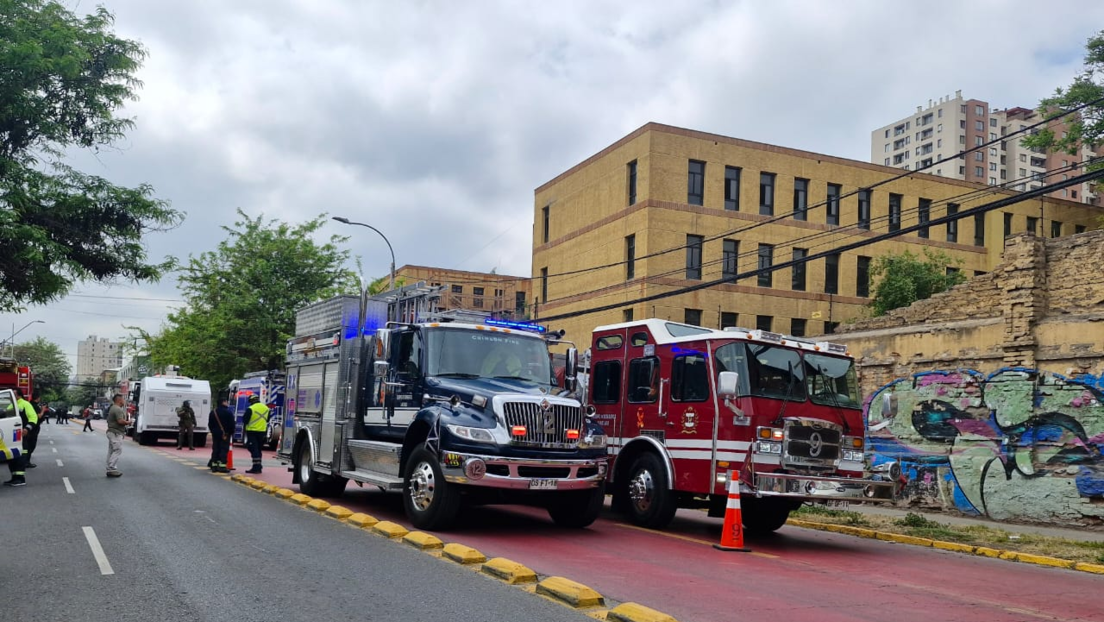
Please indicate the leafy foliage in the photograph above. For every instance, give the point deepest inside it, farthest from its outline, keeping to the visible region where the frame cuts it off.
(906, 278)
(63, 79)
(49, 365)
(241, 298)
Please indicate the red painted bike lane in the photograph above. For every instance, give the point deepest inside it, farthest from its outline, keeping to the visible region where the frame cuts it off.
(801, 574)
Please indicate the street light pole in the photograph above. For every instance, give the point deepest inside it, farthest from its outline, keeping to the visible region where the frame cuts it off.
(16, 332)
(346, 221)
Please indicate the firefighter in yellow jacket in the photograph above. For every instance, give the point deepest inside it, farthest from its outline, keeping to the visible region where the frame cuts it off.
(256, 424)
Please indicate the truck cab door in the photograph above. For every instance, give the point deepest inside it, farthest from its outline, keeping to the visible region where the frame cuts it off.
(395, 398)
(688, 412)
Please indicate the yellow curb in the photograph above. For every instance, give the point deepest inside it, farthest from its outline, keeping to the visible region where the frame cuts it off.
(388, 529)
(463, 554)
(364, 521)
(423, 541)
(318, 505)
(509, 571)
(903, 539)
(632, 612)
(985, 551)
(338, 512)
(300, 499)
(574, 594)
(257, 484)
(283, 493)
(1093, 568)
(270, 489)
(953, 546)
(1043, 560)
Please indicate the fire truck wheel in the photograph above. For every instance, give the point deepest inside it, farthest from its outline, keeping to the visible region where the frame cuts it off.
(764, 515)
(429, 501)
(577, 509)
(652, 503)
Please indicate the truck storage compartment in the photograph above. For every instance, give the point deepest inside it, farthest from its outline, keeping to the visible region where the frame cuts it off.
(375, 456)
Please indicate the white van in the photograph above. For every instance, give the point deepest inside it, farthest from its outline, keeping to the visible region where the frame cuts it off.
(11, 427)
(158, 399)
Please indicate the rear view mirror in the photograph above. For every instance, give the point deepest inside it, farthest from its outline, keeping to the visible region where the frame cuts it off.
(572, 369)
(383, 344)
(728, 384)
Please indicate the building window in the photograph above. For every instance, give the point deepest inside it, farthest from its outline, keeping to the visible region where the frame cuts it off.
(801, 199)
(830, 327)
(923, 212)
(797, 327)
(862, 277)
(979, 229)
(766, 260)
(544, 221)
(952, 225)
(695, 183)
(1032, 225)
(766, 194)
(979, 111)
(632, 182)
(831, 273)
(458, 289)
(731, 253)
(979, 171)
(1055, 229)
(1079, 228)
(833, 203)
(627, 315)
(1007, 225)
(727, 319)
(694, 257)
(764, 322)
(951, 271)
(630, 257)
(979, 141)
(477, 297)
(692, 317)
(519, 304)
(979, 126)
(864, 209)
(992, 122)
(798, 280)
(544, 284)
(895, 212)
(732, 189)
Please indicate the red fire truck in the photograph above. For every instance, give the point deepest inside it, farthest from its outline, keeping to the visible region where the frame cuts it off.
(13, 375)
(684, 405)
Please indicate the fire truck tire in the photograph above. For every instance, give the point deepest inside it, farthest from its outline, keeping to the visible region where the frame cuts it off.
(764, 516)
(652, 503)
(429, 501)
(577, 509)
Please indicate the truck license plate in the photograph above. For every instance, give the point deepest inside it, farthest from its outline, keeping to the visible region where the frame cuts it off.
(841, 504)
(542, 484)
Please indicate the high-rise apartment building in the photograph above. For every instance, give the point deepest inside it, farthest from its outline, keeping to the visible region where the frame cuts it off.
(950, 125)
(94, 355)
(666, 208)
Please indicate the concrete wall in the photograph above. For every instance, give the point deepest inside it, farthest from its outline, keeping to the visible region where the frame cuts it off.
(990, 394)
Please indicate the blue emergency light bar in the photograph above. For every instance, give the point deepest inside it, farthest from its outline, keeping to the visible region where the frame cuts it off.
(536, 328)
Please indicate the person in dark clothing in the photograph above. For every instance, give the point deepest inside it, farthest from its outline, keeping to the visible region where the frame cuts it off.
(221, 425)
(87, 414)
(30, 438)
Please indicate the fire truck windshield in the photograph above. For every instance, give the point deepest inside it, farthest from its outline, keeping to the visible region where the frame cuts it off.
(832, 381)
(787, 374)
(486, 354)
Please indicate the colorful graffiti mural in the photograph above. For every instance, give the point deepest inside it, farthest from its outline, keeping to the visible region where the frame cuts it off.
(1017, 444)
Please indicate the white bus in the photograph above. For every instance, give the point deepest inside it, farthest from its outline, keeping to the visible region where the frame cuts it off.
(158, 399)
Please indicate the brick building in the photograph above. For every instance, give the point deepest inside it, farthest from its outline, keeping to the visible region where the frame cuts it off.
(499, 294)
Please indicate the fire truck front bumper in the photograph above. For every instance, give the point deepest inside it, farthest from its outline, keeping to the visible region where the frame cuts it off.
(815, 488)
(522, 474)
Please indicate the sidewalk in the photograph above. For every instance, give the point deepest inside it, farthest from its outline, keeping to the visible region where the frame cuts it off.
(1069, 533)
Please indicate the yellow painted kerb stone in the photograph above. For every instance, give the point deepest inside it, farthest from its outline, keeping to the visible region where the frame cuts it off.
(362, 520)
(284, 493)
(567, 591)
(423, 541)
(388, 529)
(1093, 568)
(257, 484)
(338, 512)
(463, 554)
(270, 489)
(509, 571)
(632, 612)
(300, 499)
(318, 505)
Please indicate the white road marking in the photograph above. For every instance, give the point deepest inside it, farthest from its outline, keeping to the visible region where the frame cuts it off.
(53, 449)
(68, 486)
(51, 442)
(97, 551)
(59, 463)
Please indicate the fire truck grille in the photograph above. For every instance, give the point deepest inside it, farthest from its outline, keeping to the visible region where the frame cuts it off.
(543, 428)
(806, 444)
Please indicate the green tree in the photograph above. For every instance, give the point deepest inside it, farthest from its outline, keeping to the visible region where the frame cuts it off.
(241, 299)
(49, 366)
(382, 284)
(62, 79)
(906, 278)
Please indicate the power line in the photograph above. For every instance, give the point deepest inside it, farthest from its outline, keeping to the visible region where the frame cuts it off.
(1025, 196)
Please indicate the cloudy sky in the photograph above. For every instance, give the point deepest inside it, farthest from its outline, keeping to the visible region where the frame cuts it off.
(435, 120)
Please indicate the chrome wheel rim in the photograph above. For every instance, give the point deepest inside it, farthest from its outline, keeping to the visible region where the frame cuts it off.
(423, 483)
(642, 490)
(304, 467)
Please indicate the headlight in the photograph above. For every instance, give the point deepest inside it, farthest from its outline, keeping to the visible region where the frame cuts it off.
(593, 441)
(852, 456)
(479, 435)
(766, 447)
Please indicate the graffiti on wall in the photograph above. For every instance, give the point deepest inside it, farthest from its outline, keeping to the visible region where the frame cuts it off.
(1015, 444)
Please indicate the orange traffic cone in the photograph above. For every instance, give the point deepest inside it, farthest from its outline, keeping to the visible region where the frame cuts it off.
(732, 534)
(230, 458)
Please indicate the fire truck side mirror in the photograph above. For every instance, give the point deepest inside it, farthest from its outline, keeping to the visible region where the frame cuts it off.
(728, 384)
(571, 371)
(383, 344)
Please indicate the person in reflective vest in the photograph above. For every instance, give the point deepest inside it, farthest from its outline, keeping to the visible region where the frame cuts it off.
(29, 418)
(256, 424)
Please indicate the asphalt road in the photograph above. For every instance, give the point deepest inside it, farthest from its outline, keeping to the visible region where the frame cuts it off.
(181, 544)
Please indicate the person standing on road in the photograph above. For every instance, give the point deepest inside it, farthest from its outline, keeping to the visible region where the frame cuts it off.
(30, 437)
(221, 425)
(117, 421)
(17, 465)
(87, 419)
(256, 424)
(186, 423)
